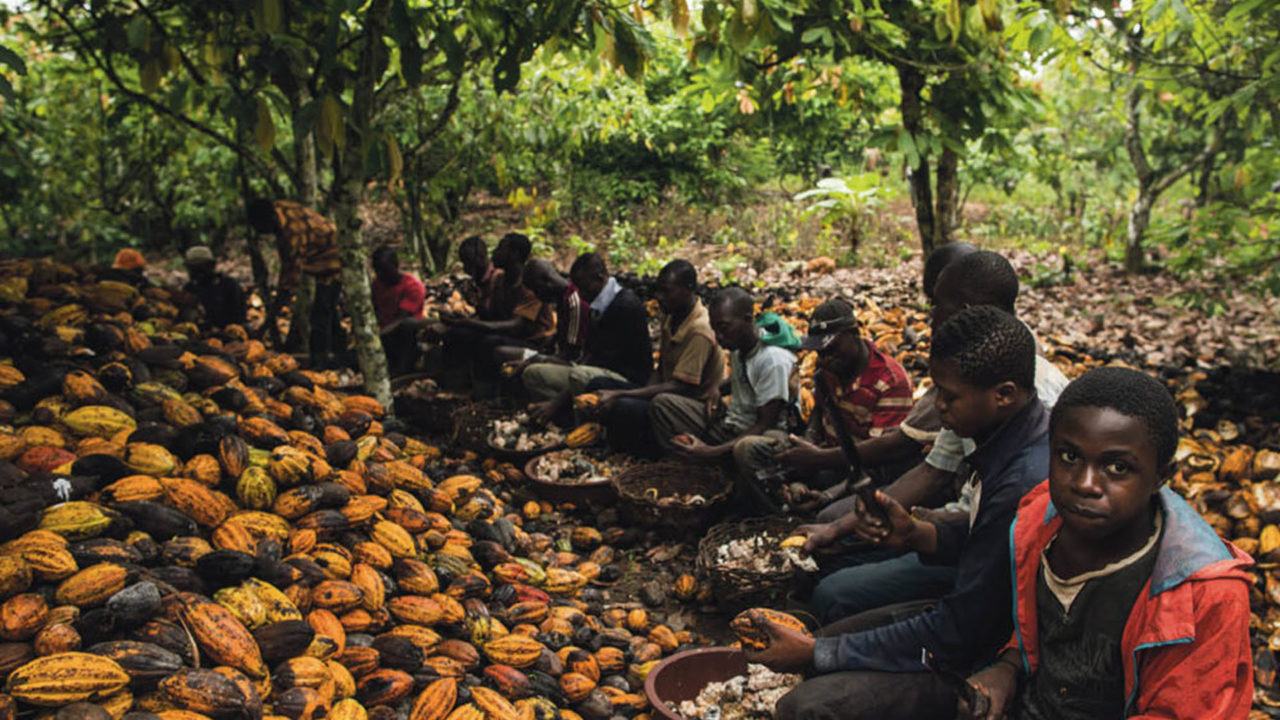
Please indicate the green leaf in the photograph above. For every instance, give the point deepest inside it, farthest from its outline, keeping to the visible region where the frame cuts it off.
(818, 34)
(11, 58)
(6, 89)
(907, 147)
(137, 32)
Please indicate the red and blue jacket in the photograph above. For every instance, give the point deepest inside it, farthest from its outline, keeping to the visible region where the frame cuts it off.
(1186, 644)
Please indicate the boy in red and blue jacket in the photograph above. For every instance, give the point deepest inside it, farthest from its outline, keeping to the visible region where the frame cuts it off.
(1126, 603)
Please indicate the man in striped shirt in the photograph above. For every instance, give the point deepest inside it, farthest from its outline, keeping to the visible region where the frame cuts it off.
(871, 390)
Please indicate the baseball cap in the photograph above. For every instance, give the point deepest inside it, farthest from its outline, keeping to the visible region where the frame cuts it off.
(198, 254)
(827, 321)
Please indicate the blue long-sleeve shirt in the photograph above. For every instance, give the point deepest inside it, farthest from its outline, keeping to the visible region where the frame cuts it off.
(974, 619)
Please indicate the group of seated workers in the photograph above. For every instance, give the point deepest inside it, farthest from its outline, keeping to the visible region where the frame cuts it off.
(1023, 557)
(974, 585)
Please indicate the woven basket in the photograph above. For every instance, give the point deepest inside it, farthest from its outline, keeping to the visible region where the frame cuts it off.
(431, 415)
(737, 589)
(641, 491)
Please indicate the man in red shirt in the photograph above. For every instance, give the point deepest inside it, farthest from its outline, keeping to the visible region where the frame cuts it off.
(397, 301)
(872, 392)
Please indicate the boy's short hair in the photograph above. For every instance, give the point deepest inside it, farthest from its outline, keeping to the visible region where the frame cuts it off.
(385, 254)
(938, 261)
(519, 244)
(1128, 392)
(984, 278)
(473, 246)
(989, 346)
(589, 263)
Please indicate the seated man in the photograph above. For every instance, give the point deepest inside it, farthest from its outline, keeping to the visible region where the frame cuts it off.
(976, 279)
(759, 383)
(1127, 603)
(573, 316)
(617, 342)
(398, 299)
(880, 664)
(219, 295)
(689, 364)
(515, 317)
(870, 389)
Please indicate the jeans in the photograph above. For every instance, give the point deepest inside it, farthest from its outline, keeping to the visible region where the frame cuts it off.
(867, 695)
(874, 584)
(401, 346)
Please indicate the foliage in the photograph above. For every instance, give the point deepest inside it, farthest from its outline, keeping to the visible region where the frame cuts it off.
(852, 202)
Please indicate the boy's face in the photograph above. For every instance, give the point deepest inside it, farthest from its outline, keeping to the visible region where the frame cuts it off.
(589, 283)
(733, 331)
(474, 264)
(970, 411)
(1102, 470)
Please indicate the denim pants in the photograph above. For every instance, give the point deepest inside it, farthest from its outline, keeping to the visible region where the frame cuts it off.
(870, 585)
(867, 695)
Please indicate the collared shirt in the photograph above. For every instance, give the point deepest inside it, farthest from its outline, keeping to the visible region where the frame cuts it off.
(875, 401)
(690, 353)
(307, 243)
(973, 620)
(408, 295)
(606, 296)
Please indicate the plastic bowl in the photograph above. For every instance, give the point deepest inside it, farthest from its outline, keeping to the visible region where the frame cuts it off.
(683, 675)
(600, 492)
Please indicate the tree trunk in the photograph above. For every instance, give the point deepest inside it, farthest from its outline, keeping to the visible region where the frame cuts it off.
(304, 154)
(947, 216)
(911, 81)
(348, 192)
(1151, 183)
(1139, 218)
(299, 339)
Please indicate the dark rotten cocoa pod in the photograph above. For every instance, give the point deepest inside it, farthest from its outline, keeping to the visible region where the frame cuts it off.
(13, 655)
(283, 640)
(81, 711)
(100, 550)
(146, 663)
(135, 604)
(222, 568)
(159, 521)
(398, 652)
(169, 636)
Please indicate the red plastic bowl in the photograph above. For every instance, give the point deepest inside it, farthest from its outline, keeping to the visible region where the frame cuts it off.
(682, 676)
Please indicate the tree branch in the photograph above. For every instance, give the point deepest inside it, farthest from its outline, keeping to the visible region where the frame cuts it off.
(1211, 146)
(106, 65)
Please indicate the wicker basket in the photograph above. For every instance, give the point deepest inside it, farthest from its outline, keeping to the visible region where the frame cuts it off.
(737, 589)
(643, 489)
(432, 415)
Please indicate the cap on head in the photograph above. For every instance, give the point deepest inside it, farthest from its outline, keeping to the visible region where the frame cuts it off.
(828, 320)
(129, 259)
(198, 255)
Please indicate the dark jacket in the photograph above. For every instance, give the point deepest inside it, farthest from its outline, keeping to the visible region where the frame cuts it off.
(222, 299)
(972, 621)
(619, 339)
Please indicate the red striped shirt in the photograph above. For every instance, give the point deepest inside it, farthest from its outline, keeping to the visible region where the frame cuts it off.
(877, 400)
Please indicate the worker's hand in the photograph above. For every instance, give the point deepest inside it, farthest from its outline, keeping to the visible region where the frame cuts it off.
(712, 406)
(998, 683)
(541, 412)
(691, 447)
(802, 455)
(607, 397)
(894, 533)
(789, 650)
(817, 536)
